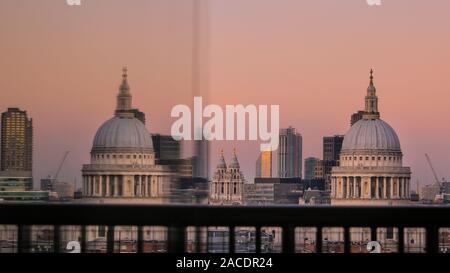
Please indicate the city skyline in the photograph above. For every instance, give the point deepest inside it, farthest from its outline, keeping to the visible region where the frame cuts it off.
(68, 88)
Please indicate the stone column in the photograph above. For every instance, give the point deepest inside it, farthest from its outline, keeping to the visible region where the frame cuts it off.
(91, 185)
(98, 187)
(107, 186)
(391, 186)
(116, 185)
(100, 183)
(133, 187)
(358, 186)
(399, 180)
(407, 188)
(376, 188)
(384, 187)
(340, 187)
(336, 190)
(145, 185)
(140, 185)
(144, 178)
(347, 187)
(149, 186)
(354, 186)
(84, 186)
(332, 187)
(88, 186)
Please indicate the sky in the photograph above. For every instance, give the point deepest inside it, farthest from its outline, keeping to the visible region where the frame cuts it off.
(63, 65)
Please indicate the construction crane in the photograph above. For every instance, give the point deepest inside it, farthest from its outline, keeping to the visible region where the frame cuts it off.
(60, 165)
(434, 174)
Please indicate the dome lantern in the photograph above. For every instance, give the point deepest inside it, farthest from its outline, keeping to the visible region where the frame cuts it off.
(124, 98)
(371, 109)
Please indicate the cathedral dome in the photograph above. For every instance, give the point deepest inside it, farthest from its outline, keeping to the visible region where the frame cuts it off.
(371, 134)
(123, 132)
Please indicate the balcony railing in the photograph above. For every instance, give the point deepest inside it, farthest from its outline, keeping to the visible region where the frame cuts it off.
(292, 228)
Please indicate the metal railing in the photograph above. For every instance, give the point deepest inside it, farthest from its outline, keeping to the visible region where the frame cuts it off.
(177, 218)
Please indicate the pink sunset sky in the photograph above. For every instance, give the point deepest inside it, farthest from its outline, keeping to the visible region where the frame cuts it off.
(63, 65)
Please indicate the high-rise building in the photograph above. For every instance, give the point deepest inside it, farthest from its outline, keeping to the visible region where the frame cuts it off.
(290, 153)
(310, 164)
(16, 141)
(166, 148)
(264, 164)
(332, 147)
(138, 114)
(356, 117)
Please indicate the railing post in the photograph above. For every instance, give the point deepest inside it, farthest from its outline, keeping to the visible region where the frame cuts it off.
(288, 239)
(319, 239)
(83, 238)
(232, 238)
(176, 239)
(347, 242)
(432, 239)
(258, 239)
(199, 239)
(56, 236)
(401, 239)
(140, 239)
(110, 240)
(373, 233)
(23, 238)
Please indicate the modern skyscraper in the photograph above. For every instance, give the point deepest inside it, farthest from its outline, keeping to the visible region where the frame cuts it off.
(332, 147)
(139, 115)
(290, 153)
(264, 164)
(310, 164)
(356, 117)
(166, 148)
(16, 141)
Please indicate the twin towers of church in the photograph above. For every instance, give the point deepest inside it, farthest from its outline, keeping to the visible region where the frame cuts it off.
(227, 185)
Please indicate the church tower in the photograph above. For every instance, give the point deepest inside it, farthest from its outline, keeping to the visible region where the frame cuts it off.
(227, 185)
